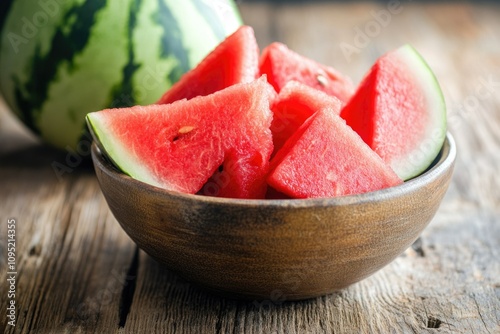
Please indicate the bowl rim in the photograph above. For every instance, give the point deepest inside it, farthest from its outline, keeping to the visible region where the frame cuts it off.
(442, 163)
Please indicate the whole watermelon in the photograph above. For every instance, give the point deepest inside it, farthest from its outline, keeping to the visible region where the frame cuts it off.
(61, 59)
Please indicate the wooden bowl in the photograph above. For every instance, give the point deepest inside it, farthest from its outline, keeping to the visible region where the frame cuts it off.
(275, 249)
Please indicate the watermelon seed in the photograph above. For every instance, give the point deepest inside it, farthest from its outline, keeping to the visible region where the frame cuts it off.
(186, 129)
(183, 131)
(322, 80)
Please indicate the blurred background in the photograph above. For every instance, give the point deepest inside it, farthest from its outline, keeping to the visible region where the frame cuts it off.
(451, 275)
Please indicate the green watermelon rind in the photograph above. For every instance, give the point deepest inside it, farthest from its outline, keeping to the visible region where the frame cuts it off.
(118, 154)
(417, 161)
(51, 88)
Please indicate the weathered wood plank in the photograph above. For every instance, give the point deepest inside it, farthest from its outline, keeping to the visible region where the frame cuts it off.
(72, 256)
(79, 272)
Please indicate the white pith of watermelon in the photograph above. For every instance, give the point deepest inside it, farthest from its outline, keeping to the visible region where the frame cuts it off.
(399, 111)
(179, 146)
(418, 160)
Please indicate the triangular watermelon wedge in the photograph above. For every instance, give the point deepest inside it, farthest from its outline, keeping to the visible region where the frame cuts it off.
(326, 158)
(282, 65)
(234, 60)
(399, 111)
(179, 146)
(295, 103)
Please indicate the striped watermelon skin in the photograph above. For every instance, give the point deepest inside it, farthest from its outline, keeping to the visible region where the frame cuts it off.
(60, 60)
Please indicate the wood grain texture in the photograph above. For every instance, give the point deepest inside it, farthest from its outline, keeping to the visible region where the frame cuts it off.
(78, 272)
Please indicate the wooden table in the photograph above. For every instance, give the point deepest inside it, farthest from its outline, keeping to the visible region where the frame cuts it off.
(77, 271)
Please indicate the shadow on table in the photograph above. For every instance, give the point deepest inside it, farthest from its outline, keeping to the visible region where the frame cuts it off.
(183, 302)
(42, 157)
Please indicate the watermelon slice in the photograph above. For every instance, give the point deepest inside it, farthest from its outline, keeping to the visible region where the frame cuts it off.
(399, 111)
(179, 146)
(282, 65)
(326, 158)
(296, 102)
(234, 60)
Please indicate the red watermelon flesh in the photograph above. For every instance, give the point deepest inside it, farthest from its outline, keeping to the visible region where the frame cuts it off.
(179, 146)
(398, 110)
(232, 176)
(234, 60)
(282, 65)
(296, 102)
(326, 158)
